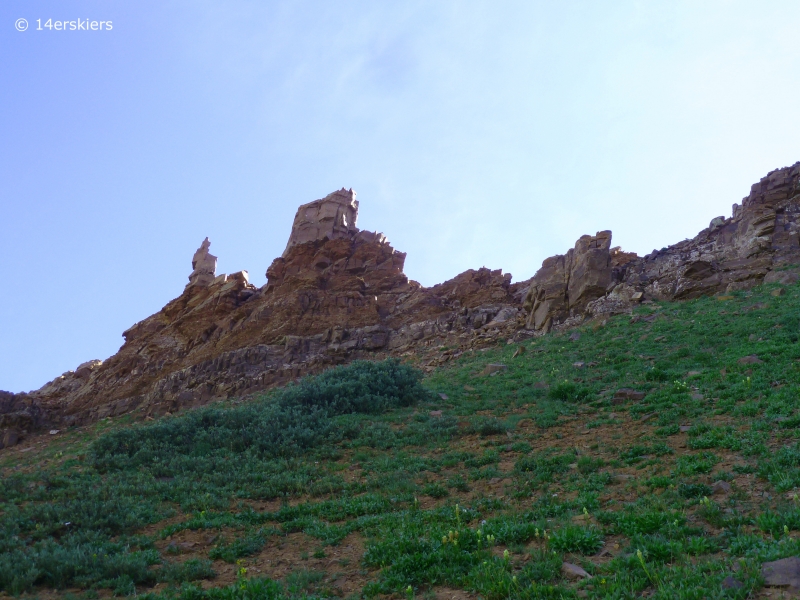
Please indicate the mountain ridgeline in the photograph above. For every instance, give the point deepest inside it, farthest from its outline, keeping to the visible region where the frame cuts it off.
(339, 294)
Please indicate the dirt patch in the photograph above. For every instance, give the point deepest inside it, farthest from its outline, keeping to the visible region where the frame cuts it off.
(297, 551)
(444, 593)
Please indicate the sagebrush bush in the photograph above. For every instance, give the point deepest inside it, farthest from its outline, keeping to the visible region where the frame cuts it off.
(284, 424)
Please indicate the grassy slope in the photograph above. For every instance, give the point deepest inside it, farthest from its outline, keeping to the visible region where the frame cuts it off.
(522, 470)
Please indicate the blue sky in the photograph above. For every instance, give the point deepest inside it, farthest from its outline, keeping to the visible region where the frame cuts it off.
(476, 134)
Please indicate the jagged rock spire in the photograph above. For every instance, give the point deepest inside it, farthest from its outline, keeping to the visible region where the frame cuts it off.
(332, 217)
(204, 265)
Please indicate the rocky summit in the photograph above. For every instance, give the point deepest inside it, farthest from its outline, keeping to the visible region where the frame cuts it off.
(338, 293)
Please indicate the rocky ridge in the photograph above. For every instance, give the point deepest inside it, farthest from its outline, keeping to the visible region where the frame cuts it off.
(338, 293)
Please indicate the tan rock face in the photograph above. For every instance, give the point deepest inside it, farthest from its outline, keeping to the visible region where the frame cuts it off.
(332, 217)
(338, 294)
(204, 265)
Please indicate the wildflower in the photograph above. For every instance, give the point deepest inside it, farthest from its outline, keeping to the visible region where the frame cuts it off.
(537, 532)
(444, 539)
(479, 532)
(505, 554)
(785, 530)
(653, 579)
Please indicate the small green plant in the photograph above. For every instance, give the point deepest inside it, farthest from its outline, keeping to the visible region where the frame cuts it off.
(651, 576)
(588, 464)
(568, 391)
(435, 490)
(582, 540)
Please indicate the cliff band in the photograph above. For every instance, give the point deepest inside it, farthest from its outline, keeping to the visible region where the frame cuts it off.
(338, 293)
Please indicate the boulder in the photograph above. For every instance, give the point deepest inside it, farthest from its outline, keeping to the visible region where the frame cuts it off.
(750, 360)
(491, 369)
(9, 437)
(721, 487)
(782, 573)
(572, 571)
(784, 277)
(731, 583)
(626, 395)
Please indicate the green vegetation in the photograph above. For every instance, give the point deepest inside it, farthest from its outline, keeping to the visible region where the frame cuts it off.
(368, 480)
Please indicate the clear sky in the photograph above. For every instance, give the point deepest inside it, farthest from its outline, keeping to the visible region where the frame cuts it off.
(475, 133)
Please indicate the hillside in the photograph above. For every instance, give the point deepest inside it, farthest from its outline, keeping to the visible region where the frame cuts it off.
(645, 454)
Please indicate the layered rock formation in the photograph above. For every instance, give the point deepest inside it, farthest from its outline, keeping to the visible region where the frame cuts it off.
(757, 244)
(338, 293)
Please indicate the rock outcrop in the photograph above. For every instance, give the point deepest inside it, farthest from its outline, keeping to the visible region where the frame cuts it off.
(204, 265)
(333, 217)
(567, 283)
(731, 253)
(757, 244)
(338, 293)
